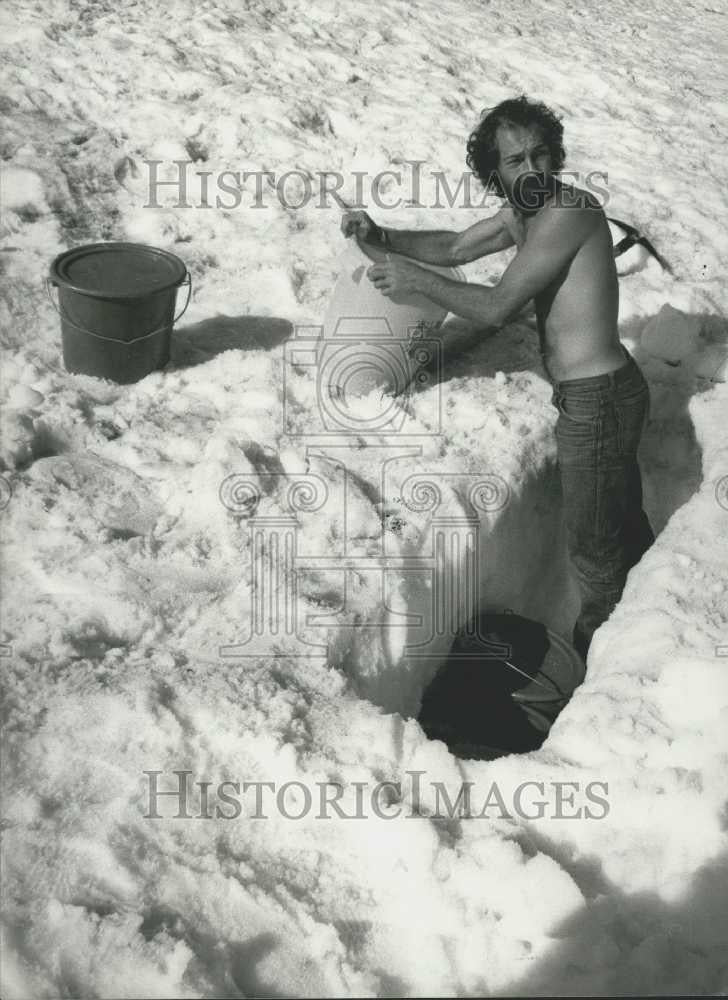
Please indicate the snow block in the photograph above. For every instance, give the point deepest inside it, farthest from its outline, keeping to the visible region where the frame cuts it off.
(116, 497)
(367, 336)
(712, 363)
(671, 335)
(23, 190)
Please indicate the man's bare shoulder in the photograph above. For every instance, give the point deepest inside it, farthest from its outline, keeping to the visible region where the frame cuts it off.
(570, 209)
(560, 228)
(566, 196)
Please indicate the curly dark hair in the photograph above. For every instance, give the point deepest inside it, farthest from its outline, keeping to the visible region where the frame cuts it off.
(483, 155)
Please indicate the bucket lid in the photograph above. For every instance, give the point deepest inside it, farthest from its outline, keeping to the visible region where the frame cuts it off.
(117, 270)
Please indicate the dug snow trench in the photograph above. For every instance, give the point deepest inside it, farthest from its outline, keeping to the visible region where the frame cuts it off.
(456, 542)
(484, 534)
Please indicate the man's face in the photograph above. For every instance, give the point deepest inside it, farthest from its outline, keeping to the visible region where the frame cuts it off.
(522, 150)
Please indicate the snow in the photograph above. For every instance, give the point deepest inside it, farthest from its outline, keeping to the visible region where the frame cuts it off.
(671, 335)
(128, 547)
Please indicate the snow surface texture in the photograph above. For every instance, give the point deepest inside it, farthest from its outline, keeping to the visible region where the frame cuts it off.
(124, 571)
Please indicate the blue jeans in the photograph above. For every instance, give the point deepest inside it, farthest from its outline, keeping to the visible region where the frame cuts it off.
(600, 422)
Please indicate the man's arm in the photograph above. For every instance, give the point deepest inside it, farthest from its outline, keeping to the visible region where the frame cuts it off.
(451, 248)
(553, 241)
(433, 246)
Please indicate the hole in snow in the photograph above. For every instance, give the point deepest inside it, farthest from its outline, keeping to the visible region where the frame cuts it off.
(519, 563)
(504, 683)
(522, 565)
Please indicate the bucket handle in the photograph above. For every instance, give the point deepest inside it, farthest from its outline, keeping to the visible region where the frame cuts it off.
(50, 284)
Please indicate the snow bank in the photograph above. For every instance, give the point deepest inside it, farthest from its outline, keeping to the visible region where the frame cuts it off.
(596, 865)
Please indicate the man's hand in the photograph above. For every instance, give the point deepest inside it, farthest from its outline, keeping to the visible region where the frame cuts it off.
(359, 224)
(397, 277)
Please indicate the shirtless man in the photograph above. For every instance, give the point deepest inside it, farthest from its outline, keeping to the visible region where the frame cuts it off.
(565, 262)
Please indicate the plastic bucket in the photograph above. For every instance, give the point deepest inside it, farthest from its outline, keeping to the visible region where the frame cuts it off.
(117, 307)
(366, 335)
